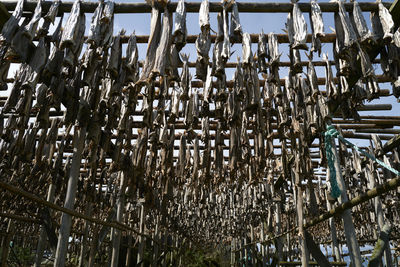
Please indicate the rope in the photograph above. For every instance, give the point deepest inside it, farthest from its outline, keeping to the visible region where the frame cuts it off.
(329, 135)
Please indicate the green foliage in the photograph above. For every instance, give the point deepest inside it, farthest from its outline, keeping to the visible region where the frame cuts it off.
(19, 256)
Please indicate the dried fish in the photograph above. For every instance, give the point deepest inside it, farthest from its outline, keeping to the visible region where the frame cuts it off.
(312, 79)
(317, 26)
(11, 25)
(236, 27)
(299, 28)
(226, 51)
(132, 55)
(386, 21)
(246, 49)
(49, 18)
(331, 89)
(180, 32)
(115, 56)
(181, 164)
(273, 49)
(164, 45)
(30, 29)
(360, 25)
(185, 77)
(71, 29)
(203, 41)
(368, 74)
(175, 61)
(344, 28)
(262, 52)
(94, 35)
(218, 69)
(4, 68)
(154, 39)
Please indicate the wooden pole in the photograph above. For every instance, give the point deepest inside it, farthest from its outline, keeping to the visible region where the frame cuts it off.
(120, 212)
(266, 7)
(335, 243)
(84, 243)
(349, 230)
(142, 240)
(6, 243)
(65, 225)
(378, 211)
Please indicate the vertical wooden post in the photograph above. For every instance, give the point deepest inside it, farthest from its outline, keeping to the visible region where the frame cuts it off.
(116, 241)
(233, 248)
(264, 262)
(6, 243)
(84, 243)
(93, 247)
(142, 239)
(65, 226)
(335, 244)
(378, 211)
(349, 230)
(43, 236)
(298, 195)
(278, 229)
(155, 242)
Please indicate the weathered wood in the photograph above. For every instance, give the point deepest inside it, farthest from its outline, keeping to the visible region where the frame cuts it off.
(65, 225)
(315, 250)
(383, 241)
(89, 7)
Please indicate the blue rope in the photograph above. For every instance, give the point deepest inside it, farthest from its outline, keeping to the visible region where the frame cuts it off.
(330, 133)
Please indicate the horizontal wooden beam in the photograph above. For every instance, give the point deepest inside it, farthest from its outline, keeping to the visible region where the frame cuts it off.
(193, 7)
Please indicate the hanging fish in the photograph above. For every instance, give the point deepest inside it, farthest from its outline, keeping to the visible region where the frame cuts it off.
(164, 45)
(72, 27)
(181, 164)
(208, 88)
(176, 95)
(218, 62)
(360, 25)
(317, 27)
(131, 62)
(226, 52)
(330, 87)
(30, 29)
(175, 61)
(114, 60)
(180, 32)
(386, 21)
(368, 74)
(299, 27)
(246, 49)
(203, 41)
(312, 79)
(49, 18)
(11, 25)
(236, 27)
(185, 77)
(154, 39)
(344, 29)
(273, 47)
(262, 52)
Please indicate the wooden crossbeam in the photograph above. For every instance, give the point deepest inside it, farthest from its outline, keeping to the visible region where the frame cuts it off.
(193, 7)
